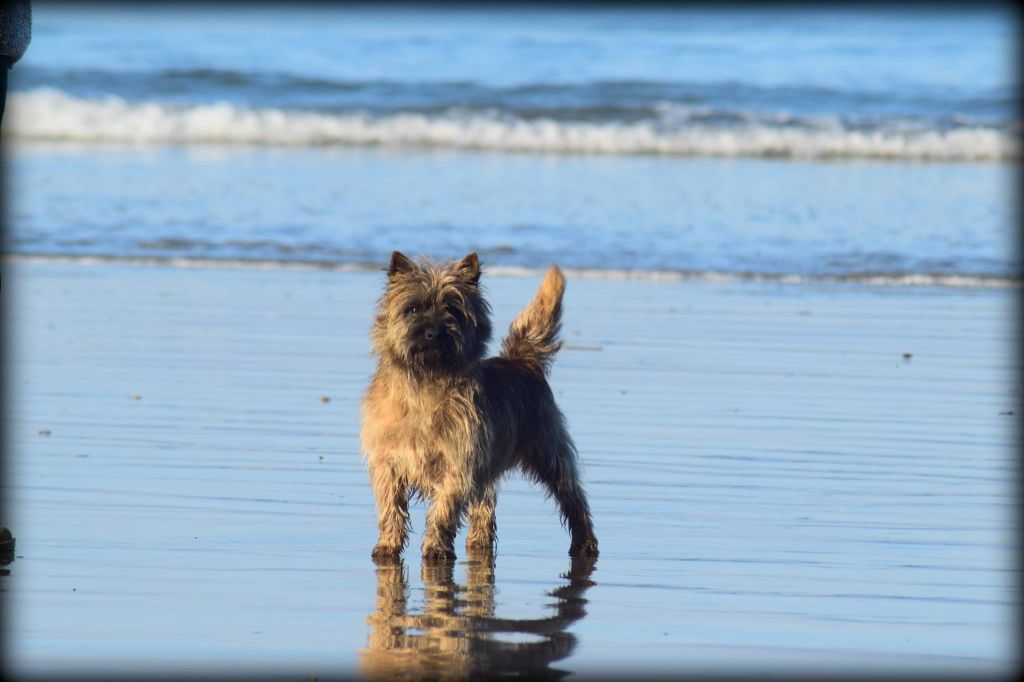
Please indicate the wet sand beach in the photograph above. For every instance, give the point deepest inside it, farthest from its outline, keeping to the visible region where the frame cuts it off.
(784, 478)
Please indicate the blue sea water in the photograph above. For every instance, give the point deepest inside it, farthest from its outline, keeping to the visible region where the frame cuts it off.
(775, 142)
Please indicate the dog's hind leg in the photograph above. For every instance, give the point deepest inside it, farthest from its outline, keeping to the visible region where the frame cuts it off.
(555, 466)
(482, 523)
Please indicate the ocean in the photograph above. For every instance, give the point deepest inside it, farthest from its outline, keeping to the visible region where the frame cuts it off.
(772, 143)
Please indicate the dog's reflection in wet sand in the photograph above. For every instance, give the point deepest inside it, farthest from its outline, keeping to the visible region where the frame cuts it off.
(458, 636)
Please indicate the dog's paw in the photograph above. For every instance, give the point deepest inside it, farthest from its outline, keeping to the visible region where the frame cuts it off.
(479, 545)
(386, 553)
(587, 548)
(435, 553)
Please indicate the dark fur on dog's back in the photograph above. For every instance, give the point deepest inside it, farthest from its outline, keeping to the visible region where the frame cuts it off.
(441, 422)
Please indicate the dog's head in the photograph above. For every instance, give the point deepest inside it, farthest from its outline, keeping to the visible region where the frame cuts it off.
(432, 317)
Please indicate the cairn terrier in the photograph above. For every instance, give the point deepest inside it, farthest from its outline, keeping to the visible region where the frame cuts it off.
(440, 421)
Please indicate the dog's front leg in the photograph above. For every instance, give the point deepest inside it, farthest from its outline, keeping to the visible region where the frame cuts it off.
(392, 512)
(482, 524)
(443, 519)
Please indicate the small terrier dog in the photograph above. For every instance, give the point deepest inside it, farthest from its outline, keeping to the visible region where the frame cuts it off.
(440, 421)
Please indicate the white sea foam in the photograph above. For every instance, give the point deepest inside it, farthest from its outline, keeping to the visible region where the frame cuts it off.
(49, 114)
(617, 274)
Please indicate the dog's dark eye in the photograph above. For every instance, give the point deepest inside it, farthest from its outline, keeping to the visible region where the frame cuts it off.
(412, 309)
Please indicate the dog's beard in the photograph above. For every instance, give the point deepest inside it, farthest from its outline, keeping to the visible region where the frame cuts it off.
(431, 356)
(444, 354)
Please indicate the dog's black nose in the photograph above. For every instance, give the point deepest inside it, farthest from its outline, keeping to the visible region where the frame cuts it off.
(430, 334)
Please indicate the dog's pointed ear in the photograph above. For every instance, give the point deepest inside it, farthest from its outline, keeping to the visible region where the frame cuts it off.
(400, 265)
(469, 268)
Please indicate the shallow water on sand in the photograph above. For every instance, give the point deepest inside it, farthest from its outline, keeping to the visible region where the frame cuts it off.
(774, 484)
(352, 206)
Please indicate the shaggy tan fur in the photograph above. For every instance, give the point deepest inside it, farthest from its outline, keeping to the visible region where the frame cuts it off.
(440, 421)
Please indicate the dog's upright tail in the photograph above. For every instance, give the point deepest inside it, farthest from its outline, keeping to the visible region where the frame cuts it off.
(533, 336)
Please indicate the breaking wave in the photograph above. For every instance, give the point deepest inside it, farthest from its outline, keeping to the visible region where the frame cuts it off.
(53, 115)
(895, 279)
